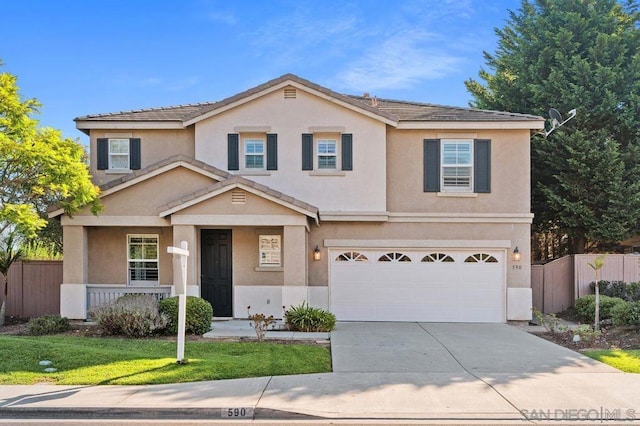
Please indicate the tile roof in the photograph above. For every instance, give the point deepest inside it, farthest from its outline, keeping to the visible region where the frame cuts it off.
(239, 180)
(390, 109)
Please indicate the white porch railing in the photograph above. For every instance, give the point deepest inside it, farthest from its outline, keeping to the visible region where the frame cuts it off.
(98, 295)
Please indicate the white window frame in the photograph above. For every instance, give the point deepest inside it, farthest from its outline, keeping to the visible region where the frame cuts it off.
(334, 154)
(459, 165)
(247, 154)
(270, 250)
(130, 260)
(119, 154)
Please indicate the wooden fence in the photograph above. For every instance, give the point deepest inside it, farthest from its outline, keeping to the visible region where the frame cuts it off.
(34, 288)
(556, 285)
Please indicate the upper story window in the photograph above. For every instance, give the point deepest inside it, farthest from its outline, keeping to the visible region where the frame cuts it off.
(327, 154)
(118, 154)
(142, 259)
(457, 166)
(254, 154)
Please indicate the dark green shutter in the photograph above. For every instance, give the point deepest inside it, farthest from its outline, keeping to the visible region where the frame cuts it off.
(347, 151)
(307, 151)
(135, 157)
(431, 163)
(103, 153)
(482, 165)
(272, 151)
(233, 155)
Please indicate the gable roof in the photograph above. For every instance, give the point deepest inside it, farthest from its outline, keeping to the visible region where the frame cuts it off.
(152, 170)
(242, 183)
(389, 111)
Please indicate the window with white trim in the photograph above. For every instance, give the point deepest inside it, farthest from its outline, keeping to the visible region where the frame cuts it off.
(254, 154)
(142, 259)
(327, 154)
(270, 247)
(118, 154)
(457, 165)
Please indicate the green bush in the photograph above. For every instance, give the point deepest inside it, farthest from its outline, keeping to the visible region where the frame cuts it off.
(198, 317)
(629, 292)
(132, 315)
(48, 324)
(306, 318)
(586, 307)
(626, 314)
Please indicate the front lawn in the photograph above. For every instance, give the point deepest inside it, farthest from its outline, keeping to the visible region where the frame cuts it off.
(107, 361)
(625, 360)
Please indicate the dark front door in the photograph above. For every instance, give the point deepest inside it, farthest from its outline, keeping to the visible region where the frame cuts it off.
(216, 270)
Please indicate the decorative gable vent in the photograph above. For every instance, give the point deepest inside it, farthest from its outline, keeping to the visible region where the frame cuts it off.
(238, 197)
(290, 93)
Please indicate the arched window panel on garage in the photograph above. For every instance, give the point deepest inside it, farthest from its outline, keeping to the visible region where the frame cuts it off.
(437, 257)
(351, 256)
(394, 257)
(481, 258)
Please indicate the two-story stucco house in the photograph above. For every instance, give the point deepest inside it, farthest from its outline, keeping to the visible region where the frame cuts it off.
(377, 210)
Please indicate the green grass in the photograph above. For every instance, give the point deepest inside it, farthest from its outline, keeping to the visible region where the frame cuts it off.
(107, 361)
(625, 360)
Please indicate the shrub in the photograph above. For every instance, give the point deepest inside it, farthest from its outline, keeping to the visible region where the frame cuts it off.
(48, 324)
(131, 315)
(306, 318)
(261, 323)
(586, 307)
(198, 317)
(626, 314)
(629, 292)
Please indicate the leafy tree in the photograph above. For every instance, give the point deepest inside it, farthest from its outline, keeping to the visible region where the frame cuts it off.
(582, 54)
(38, 168)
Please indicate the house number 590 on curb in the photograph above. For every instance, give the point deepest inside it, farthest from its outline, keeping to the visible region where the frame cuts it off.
(237, 413)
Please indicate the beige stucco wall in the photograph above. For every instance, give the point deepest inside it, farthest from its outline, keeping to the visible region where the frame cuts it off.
(245, 257)
(107, 254)
(517, 233)
(221, 205)
(146, 197)
(510, 173)
(155, 145)
(363, 189)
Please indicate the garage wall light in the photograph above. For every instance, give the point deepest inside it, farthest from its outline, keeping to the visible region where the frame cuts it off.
(316, 253)
(516, 255)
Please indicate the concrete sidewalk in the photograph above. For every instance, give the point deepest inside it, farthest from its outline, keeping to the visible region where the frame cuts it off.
(463, 372)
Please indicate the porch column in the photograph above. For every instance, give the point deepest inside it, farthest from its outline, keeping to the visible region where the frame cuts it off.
(75, 272)
(294, 291)
(187, 233)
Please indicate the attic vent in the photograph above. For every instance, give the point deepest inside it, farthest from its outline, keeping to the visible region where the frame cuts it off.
(290, 93)
(238, 197)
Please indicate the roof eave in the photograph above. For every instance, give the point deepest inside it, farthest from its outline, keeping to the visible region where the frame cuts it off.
(87, 125)
(460, 124)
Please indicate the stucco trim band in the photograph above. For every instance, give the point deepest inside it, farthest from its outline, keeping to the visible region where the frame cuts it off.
(457, 244)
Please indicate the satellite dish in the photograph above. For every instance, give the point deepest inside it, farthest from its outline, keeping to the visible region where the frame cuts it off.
(556, 117)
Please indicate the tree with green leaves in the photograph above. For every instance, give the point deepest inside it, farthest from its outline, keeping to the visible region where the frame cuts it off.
(38, 168)
(582, 54)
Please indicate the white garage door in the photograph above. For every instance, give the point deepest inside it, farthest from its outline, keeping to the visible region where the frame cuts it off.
(431, 285)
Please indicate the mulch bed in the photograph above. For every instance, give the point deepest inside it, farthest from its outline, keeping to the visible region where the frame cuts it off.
(611, 338)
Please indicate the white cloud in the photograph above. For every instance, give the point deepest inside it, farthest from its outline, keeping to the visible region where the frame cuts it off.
(399, 62)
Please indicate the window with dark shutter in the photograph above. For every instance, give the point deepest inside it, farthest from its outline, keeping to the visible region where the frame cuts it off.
(272, 151)
(347, 151)
(103, 154)
(135, 156)
(233, 156)
(307, 151)
(431, 164)
(482, 166)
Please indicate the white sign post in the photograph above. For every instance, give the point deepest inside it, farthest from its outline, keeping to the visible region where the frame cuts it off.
(181, 289)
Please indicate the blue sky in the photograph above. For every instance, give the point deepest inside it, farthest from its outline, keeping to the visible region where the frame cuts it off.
(83, 57)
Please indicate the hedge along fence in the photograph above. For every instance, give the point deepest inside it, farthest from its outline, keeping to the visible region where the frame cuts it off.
(34, 288)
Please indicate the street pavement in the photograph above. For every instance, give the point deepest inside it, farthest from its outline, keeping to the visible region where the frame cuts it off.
(426, 372)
